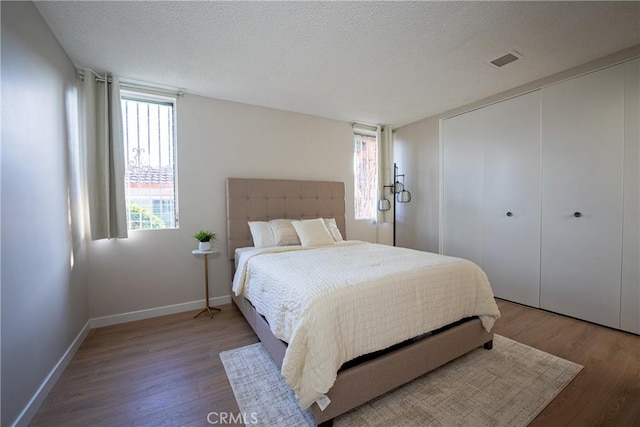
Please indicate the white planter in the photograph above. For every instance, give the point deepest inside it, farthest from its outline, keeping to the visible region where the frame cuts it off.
(204, 246)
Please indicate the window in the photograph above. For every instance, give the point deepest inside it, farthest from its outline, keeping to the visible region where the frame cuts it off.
(365, 165)
(150, 162)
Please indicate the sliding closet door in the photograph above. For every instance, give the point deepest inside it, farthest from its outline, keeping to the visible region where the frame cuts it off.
(512, 198)
(582, 164)
(462, 186)
(630, 308)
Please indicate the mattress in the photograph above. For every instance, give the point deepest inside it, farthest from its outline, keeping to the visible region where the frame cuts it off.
(334, 303)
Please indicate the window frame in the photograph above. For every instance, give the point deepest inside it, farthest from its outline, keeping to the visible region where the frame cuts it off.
(139, 95)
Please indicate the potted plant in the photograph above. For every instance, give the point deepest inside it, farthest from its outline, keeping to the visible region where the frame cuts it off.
(205, 237)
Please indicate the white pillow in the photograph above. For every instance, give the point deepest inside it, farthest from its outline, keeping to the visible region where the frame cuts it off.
(331, 225)
(262, 234)
(284, 232)
(313, 232)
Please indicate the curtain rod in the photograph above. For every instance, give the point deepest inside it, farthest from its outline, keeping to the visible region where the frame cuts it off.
(370, 128)
(362, 126)
(131, 85)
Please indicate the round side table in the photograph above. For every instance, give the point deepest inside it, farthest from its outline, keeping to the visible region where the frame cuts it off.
(207, 309)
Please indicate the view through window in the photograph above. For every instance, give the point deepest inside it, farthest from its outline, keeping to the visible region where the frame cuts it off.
(366, 173)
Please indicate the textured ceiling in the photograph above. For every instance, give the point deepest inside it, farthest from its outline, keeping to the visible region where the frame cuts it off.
(374, 62)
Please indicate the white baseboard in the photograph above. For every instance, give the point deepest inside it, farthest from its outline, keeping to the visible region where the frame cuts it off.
(99, 322)
(40, 395)
(34, 404)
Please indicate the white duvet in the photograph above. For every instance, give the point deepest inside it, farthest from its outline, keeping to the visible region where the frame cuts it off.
(334, 303)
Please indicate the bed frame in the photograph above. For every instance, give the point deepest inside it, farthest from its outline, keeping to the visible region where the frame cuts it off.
(266, 199)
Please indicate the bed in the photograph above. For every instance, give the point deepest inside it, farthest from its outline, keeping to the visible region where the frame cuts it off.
(367, 376)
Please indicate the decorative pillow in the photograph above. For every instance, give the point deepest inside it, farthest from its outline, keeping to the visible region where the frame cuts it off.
(313, 232)
(331, 225)
(262, 234)
(284, 232)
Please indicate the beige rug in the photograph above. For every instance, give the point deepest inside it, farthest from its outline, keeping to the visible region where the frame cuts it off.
(506, 386)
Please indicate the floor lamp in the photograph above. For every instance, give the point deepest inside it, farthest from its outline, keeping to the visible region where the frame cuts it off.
(400, 195)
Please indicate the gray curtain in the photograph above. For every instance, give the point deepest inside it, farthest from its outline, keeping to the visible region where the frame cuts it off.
(385, 170)
(104, 161)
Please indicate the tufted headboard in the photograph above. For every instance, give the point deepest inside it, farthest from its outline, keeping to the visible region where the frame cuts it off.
(267, 199)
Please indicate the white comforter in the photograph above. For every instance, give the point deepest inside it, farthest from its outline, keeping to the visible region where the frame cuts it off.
(334, 303)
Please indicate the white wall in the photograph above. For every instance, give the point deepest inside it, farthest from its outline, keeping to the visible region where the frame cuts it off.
(44, 283)
(419, 143)
(418, 160)
(216, 139)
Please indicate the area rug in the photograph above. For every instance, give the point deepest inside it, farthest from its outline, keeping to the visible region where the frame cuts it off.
(506, 386)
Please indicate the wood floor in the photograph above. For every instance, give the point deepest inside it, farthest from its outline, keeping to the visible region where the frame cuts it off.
(166, 371)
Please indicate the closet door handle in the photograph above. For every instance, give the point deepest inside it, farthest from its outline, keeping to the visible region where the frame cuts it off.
(509, 214)
(577, 214)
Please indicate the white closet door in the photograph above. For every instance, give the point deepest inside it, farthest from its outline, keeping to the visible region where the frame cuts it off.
(630, 308)
(512, 198)
(462, 186)
(582, 161)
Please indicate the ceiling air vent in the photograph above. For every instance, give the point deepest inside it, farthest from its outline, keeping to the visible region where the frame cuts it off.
(505, 59)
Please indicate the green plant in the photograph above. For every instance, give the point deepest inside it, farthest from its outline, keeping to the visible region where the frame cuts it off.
(205, 236)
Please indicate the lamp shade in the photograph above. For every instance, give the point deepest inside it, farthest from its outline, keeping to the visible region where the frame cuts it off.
(398, 187)
(384, 204)
(403, 197)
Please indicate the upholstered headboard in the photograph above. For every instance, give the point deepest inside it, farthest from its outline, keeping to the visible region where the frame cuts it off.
(267, 199)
